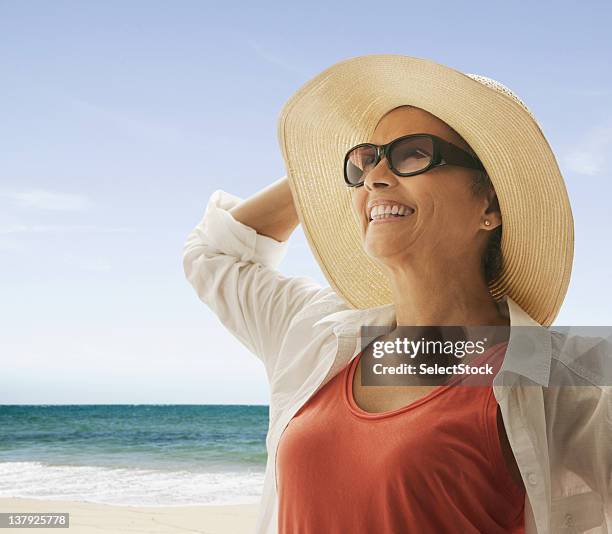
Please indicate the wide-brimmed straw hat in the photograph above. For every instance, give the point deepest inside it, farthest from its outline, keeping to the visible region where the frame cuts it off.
(341, 106)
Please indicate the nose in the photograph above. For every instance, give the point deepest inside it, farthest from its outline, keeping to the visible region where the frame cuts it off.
(380, 176)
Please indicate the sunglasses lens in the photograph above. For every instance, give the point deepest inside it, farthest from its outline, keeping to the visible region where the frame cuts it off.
(407, 156)
(411, 155)
(360, 160)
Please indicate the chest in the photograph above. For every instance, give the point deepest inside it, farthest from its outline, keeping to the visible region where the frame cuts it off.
(376, 399)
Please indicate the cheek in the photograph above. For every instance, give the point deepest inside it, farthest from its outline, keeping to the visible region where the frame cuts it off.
(459, 217)
(357, 201)
(445, 207)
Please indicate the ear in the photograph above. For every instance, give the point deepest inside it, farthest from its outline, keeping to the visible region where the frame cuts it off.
(491, 213)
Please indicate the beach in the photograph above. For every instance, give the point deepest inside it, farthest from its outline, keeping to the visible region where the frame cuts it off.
(87, 518)
(135, 468)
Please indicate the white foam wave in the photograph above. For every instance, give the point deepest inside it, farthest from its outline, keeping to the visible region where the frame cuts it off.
(132, 487)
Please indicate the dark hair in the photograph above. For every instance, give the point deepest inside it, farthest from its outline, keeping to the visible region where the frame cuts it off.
(492, 259)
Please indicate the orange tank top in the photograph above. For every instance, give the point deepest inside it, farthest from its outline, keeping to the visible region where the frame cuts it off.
(433, 466)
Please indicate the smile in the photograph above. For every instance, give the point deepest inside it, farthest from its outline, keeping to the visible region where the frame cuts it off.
(389, 213)
(383, 210)
(389, 219)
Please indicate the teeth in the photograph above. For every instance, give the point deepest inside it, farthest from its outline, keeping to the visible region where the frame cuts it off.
(383, 211)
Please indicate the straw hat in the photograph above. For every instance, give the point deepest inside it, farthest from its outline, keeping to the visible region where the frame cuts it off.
(341, 106)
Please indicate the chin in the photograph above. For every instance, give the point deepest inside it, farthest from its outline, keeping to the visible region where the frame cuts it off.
(379, 252)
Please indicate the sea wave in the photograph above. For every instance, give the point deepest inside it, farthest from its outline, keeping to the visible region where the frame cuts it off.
(129, 486)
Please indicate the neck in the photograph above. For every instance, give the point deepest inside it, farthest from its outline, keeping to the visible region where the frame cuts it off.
(442, 295)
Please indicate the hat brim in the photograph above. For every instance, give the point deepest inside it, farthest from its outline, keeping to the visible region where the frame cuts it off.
(341, 106)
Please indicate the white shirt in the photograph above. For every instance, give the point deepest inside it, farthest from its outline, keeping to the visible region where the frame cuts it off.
(305, 334)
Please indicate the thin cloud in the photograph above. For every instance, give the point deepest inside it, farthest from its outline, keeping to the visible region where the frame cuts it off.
(273, 59)
(127, 124)
(47, 200)
(591, 157)
(8, 244)
(58, 228)
(86, 263)
(592, 92)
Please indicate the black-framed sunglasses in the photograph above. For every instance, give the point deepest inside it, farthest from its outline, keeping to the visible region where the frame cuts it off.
(406, 156)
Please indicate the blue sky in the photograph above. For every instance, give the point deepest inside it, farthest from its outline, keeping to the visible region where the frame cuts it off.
(119, 119)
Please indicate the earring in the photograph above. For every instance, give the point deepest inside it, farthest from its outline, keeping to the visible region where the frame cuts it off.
(487, 222)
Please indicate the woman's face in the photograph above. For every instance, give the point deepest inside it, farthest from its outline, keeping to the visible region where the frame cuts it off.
(447, 216)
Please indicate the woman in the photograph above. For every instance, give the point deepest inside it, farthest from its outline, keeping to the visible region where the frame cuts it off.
(346, 457)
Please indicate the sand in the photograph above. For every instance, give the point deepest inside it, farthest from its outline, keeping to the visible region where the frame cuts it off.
(87, 518)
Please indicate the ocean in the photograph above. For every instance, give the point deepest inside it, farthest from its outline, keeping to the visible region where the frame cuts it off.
(140, 455)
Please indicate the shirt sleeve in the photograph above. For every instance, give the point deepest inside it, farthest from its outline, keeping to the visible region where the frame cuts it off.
(583, 445)
(233, 271)
(579, 410)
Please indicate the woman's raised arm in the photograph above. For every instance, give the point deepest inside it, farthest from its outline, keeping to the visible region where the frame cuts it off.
(231, 258)
(270, 212)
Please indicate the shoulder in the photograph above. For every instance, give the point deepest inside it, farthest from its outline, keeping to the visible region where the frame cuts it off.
(579, 394)
(312, 329)
(581, 356)
(322, 305)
